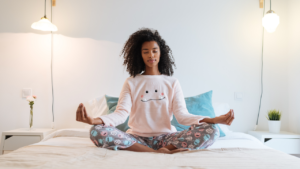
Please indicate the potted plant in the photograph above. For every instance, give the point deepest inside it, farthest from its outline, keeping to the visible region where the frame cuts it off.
(274, 120)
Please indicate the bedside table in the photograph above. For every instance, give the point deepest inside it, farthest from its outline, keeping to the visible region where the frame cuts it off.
(14, 139)
(283, 141)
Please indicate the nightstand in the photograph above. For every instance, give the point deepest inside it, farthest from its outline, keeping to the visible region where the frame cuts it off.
(14, 139)
(283, 141)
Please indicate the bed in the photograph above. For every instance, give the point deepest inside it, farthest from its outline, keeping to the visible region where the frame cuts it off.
(72, 148)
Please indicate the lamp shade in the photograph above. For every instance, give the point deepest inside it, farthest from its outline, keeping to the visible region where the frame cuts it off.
(270, 21)
(44, 25)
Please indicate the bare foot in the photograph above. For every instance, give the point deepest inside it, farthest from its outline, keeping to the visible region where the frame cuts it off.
(167, 151)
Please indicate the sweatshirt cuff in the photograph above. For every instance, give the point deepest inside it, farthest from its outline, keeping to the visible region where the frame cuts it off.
(106, 121)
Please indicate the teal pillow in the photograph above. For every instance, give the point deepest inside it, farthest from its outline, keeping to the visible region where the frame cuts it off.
(112, 105)
(198, 105)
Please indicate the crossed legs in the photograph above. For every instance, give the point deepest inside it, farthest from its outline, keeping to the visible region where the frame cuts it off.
(196, 137)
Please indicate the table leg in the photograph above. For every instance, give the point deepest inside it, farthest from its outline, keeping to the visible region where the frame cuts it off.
(2, 144)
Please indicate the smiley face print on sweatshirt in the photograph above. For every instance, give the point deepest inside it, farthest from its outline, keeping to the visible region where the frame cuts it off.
(152, 95)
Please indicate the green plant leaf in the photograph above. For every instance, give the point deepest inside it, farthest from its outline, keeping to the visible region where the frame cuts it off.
(274, 114)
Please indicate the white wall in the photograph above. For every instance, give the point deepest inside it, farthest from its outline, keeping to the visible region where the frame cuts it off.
(216, 45)
(293, 65)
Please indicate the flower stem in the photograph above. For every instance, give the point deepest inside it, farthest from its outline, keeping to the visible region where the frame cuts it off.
(31, 116)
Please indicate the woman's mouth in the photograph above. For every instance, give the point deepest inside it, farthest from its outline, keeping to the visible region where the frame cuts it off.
(151, 60)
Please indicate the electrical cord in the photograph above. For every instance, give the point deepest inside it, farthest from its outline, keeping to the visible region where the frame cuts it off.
(262, 66)
(51, 71)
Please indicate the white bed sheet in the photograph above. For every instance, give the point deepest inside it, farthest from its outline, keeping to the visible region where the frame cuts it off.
(238, 140)
(72, 149)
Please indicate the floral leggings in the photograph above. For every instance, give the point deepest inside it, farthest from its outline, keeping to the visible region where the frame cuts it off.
(198, 136)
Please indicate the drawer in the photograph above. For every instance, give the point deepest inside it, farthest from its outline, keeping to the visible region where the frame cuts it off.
(15, 142)
(290, 146)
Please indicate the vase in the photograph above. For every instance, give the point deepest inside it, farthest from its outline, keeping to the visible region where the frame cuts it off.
(274, 126)
(31, 117)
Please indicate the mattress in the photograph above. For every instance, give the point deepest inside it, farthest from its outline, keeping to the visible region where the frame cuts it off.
(72, 148)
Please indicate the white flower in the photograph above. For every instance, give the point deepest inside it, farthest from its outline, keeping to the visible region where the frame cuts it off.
(30, 98)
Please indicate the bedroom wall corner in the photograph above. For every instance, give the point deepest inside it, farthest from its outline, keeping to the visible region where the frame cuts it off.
(293, 67)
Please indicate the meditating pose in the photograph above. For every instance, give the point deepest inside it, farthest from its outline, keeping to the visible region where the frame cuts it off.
(151, 96)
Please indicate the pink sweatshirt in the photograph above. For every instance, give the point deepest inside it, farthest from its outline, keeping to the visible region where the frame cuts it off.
(151, 101)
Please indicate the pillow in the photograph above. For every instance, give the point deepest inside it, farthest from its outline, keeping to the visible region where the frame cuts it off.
(95, 108)
(98, 106)
(70, 132)
(221, 109)
(198, 105)
(112, 103)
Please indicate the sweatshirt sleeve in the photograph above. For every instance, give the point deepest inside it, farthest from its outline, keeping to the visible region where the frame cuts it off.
(123, 108)
(179, 108)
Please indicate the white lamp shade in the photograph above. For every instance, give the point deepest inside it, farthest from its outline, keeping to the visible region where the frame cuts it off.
(270, 22)
(44, 25)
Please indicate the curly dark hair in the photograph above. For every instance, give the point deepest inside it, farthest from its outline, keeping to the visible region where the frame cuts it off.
(132, 52)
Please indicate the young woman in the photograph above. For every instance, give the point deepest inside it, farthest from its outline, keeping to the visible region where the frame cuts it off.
(151, 96)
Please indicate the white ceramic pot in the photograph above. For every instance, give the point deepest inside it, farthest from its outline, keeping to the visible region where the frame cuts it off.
(274, 126)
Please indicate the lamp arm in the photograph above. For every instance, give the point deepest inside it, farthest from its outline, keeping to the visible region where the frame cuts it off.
(45, 10)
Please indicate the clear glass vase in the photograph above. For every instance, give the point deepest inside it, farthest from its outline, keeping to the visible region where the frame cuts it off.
(31, 117)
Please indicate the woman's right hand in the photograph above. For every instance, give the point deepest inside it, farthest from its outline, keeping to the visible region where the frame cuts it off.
(82, 116)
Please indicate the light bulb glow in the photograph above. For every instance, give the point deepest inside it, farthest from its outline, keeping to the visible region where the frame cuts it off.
(270, 22)
(44, 25)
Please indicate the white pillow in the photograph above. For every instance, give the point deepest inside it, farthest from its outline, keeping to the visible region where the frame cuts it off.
(71, 132)
(221, 109)
(98, 107)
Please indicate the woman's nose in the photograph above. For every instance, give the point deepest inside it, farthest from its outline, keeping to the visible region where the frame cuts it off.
(151, 55)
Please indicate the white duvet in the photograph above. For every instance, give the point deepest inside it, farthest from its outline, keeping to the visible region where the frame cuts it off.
(72, 148)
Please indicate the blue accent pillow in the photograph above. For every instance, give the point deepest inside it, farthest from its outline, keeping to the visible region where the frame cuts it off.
(198, 105)
(112, 103)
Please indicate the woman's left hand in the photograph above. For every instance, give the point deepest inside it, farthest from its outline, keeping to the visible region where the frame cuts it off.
(225, 119)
